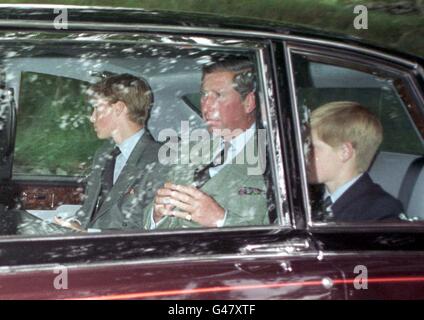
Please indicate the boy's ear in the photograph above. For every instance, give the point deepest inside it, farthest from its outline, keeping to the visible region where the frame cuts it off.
(346, 151)
(119, 107)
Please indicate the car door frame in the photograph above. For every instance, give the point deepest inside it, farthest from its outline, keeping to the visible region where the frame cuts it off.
(389, 257)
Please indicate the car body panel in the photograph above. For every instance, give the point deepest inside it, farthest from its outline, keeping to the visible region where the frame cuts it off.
(201, 268)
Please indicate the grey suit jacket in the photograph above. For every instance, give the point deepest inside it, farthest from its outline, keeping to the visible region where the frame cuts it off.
(243, 195)
(135, 187)
(133, 190)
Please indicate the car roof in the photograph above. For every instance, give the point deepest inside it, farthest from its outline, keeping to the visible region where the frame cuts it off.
(221, 23)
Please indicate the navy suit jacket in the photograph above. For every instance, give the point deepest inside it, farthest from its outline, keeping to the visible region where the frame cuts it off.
(366, 201)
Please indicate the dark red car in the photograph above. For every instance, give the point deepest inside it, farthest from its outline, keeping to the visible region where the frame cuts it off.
(49, 55)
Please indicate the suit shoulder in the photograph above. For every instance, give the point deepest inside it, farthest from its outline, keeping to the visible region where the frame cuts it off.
(383, 202)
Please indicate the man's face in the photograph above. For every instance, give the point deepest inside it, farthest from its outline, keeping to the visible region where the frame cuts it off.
(222, 106)
(102, 118)
(324, 161)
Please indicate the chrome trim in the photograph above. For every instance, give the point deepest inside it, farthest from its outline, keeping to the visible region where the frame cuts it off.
(346, 227)
(298, 134)
(223, 31)
(160, 261)
(269, 108)
(272, 228)
(290, 246)
(371, 254)
(8, 270)
(97, 37)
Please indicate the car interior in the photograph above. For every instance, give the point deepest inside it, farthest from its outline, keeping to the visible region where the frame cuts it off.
(174, 73)
(398, 165)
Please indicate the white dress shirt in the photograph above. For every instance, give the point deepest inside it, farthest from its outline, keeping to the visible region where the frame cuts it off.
(236, 146)
(126, 147)
(340, 190)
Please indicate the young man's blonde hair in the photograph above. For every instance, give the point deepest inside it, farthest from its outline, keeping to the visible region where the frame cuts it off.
(339, 122)
(133, 91)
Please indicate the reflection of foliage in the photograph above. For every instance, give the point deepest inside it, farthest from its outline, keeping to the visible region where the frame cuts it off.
(304, 114)
(399, 136)
(54, 135)
(386, 27)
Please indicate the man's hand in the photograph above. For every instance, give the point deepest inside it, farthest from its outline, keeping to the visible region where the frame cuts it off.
(74, 225)
(188, 203)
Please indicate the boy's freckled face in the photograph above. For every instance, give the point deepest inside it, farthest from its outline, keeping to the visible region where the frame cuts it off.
(324, 162)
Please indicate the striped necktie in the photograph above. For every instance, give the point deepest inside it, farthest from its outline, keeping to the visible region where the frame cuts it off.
(326, 208)
(201, 174)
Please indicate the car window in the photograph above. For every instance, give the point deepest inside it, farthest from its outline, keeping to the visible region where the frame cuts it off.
(378, 189)
(58, 141)
(53, 136)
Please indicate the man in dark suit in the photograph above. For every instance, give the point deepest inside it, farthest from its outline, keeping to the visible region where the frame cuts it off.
(345, 138)
(125, 171)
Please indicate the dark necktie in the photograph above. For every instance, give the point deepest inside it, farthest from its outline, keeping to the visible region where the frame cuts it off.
(107, 177)
(326, 208)
(201, 175)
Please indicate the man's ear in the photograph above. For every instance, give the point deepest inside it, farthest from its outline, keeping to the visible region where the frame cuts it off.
(347, 151)
(119, 107)
(249, 102)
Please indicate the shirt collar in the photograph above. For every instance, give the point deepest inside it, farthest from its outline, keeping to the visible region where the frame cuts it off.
(342, 189)
(238, 143)
(128, 144)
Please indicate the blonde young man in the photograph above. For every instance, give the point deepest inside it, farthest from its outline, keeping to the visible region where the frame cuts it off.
(345, 139)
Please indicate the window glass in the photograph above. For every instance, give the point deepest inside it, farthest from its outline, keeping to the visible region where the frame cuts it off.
(318, 83)
(353, 175)
(128, 118)
(53, 136)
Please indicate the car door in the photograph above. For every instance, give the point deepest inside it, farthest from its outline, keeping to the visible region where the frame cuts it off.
(379, 259)
(280, 260)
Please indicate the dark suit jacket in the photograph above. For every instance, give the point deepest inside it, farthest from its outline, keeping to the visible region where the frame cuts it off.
(366, 201)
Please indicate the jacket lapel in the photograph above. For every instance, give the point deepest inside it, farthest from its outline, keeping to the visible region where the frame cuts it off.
(128, 175)
(94, 181)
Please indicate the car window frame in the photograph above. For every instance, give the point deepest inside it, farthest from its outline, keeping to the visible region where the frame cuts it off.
(408, 91)
(260, 48)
